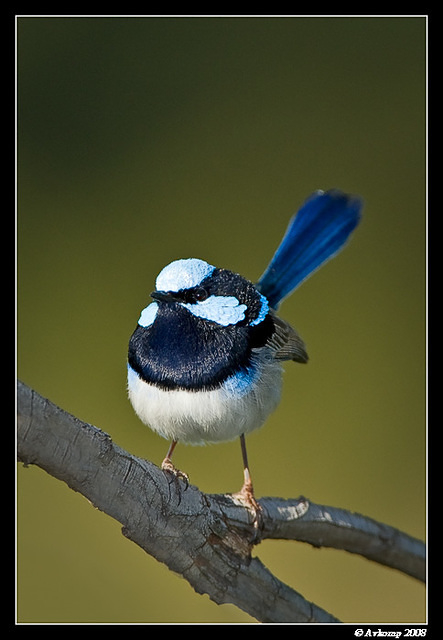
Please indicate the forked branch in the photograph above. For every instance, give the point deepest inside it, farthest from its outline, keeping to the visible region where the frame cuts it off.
(205, 538)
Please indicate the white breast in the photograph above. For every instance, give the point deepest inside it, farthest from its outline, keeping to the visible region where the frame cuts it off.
(196, 417)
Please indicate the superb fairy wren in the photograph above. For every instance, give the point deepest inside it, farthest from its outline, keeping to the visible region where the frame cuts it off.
(205, 360)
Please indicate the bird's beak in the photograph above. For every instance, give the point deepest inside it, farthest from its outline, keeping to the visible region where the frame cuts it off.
(163, 296)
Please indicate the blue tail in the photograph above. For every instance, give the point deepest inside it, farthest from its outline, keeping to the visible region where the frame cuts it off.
(315, 234)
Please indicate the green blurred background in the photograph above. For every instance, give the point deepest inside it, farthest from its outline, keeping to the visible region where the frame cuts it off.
(142, 140)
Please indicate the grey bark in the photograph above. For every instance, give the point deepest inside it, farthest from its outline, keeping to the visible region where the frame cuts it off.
(205, 538)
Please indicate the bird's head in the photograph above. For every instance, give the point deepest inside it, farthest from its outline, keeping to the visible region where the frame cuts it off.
(217, 296)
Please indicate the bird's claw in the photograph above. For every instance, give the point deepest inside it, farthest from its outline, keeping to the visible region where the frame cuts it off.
(176, 474)
(246, 497)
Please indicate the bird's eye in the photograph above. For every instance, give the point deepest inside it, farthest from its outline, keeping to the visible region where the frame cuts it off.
(200, 294)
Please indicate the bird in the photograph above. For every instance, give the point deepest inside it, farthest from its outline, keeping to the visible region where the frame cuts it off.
(205, 360)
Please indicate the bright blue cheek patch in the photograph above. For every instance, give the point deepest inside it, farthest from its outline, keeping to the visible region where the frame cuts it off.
(148, 314)
(223, 310)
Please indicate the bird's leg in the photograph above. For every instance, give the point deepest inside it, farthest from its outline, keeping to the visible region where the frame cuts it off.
(170, 468)
(246, 493)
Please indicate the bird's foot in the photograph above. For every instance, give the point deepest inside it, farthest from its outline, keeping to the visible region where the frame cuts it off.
(169, 468)
(247, 499)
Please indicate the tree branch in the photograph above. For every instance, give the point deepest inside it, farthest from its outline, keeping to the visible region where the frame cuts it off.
(206, 538)
(323, 526)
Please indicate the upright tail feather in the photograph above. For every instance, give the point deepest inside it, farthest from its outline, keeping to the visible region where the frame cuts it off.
(316, 233)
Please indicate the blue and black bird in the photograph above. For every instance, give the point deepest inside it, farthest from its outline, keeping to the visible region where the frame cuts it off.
(205, 360)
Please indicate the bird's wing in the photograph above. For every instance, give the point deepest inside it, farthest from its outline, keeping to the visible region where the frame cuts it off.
(286, 343)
